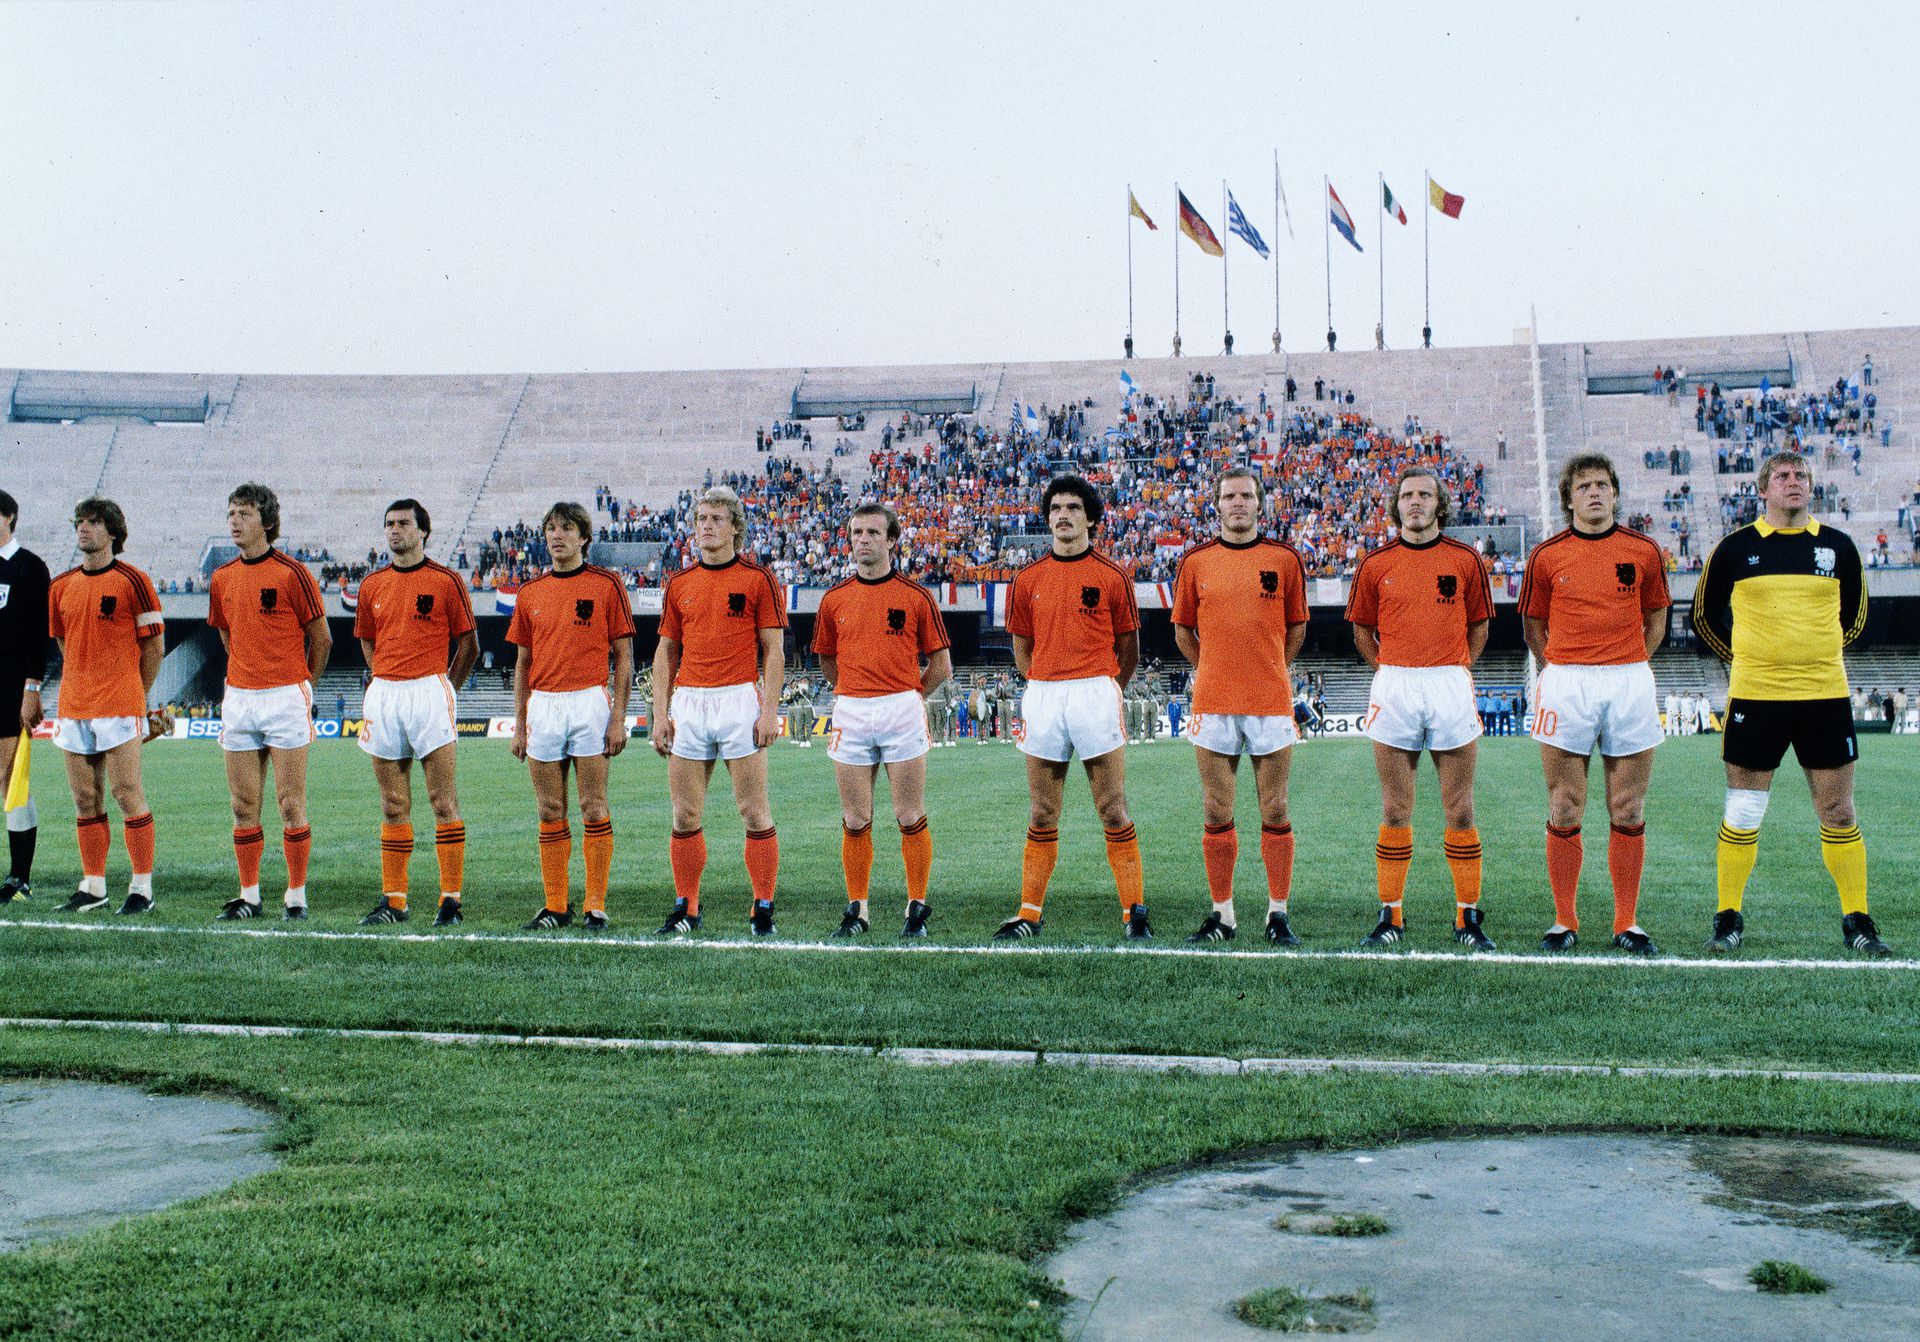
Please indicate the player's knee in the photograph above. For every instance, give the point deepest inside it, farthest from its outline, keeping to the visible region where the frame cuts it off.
(1835, 814)
(1566, 807)
(446, 807)
(293, 811)
(1628, 812)
(1459, 815)
(855, 820)
(1113, 814)
(551, 812)
(1217, 810)
(131, 798)
(593, 810)
(906, 819)
(756, 815)
(1746, 808)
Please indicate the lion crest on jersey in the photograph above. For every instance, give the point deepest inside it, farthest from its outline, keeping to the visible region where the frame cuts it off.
(269, 598)
(1089, 597)
(1269, 581)
(1626, 573)
(107, 603)
(896, 619)
(583, 608)
(1449, 584)
(423, 603)
(1823, 560)
(736, 603)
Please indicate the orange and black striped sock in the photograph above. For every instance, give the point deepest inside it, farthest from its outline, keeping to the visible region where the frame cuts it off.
(1463, 860)
(856, 859)
(763, 862)
(95, 836)
(1036, 869)
(1565, 856)
(597, 845)
(556, 854)
(1392, 855)
(297, 844)
(1129, 880)
(916, 851)
(1276, 854)
(687, 854)
(138, 832)
(450, 850)
(247, 845)
(396, 851)
(1626, 859)
(1219, 851)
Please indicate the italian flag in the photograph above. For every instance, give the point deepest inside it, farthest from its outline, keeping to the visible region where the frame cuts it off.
(1389, 204)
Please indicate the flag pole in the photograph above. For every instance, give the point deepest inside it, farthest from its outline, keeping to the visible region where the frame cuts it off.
(1226, 312)
(1326, 247)
(1176, 270)
(1426, 268)
(1276, 251)
(1381, 331)
(1129, 263)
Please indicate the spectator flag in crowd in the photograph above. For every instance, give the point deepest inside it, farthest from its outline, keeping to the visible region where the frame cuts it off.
(1126, 381)
(1033, 422)
(1443, 200)
(1342, 221)
(1238, 226)
(1389, 204)
(1196, 228)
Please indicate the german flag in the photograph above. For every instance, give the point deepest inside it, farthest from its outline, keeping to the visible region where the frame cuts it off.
(1196, 228)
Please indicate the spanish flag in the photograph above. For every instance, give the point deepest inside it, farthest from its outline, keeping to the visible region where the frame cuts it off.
(1196, 228)
(1444, 201)
(1133, 208)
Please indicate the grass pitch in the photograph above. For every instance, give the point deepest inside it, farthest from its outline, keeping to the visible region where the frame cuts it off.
(441, 1192)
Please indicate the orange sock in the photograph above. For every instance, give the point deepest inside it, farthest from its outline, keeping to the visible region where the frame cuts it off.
(556, 853)
(138, 832)
(1276, 854)
(1626, 858)
(1392, 855)
(1463, 860)
(396, 850)
(916, 851)
(1564, 856)
(1219, 850)
(763, 862)
(1123, 855)
(247, 844)
(856, 857)
(297, 844)
(95, 836)
(687, 854)
(450, 850)
(598, 845)
(1036, 869)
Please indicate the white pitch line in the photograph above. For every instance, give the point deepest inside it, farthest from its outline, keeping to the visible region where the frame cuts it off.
(887, 946)
(948, 1057)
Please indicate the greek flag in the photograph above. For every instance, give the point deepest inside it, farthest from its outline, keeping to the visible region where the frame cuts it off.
(1127, 381)
(1033, 422)
(1238, 226)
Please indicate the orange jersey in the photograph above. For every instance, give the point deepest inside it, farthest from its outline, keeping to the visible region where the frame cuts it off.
(569, 622)
(102, 617)
(1420, 599)
(1594, 592)
(1240, 600)
(1073, 609)
(265, 605)
(715, 612)
(412, 615)
(886, 625)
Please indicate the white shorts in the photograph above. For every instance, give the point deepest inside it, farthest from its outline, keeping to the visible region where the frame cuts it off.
(1422, 708)
(1235, 734)
(1064, 718)
(567, 722)
(714, 723)
(96, 736)
(1612, 707)
(407, 719)
(879, 729)
(280, 718)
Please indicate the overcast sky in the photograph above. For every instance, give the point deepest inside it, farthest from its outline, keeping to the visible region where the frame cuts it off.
(545, 187)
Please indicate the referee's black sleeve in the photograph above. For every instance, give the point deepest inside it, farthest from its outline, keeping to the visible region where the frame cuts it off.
(1713, 603)
(23, 620)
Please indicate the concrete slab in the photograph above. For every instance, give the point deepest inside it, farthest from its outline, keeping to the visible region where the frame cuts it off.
(75, 1154)
(1615, 1236)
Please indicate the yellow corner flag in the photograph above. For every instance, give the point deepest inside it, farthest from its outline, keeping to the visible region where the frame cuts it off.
(17, 792)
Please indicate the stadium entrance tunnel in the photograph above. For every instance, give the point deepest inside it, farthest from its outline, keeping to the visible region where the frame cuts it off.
(1592, 1235)
(75, 1155)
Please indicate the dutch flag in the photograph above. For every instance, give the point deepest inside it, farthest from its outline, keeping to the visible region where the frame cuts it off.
(1342, 221)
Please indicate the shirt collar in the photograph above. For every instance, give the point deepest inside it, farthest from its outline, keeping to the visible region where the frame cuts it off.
(1766, 528)
(10, 549)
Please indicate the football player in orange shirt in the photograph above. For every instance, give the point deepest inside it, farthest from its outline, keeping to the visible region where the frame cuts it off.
(1594, 605)
(871, 633)
(411, 611)
(569, 625)
(1076, 637)
(106, 617)
(1240, 616)
(1420, 607)
(717, 676)
(273, 626)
